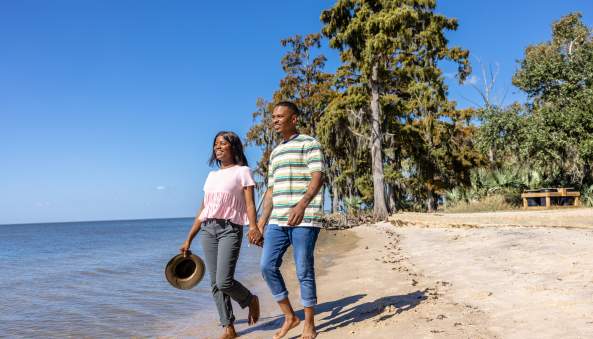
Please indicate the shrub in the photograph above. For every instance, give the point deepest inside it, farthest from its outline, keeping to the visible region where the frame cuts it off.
(587, 196)
(487, 204)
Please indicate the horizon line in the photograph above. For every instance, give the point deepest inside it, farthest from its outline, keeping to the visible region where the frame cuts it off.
(99, 220)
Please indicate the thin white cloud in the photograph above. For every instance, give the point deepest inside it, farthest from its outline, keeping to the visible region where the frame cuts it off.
(161, 188)
(472, 80)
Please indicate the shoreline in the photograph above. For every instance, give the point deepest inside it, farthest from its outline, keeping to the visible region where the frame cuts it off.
(432, 279)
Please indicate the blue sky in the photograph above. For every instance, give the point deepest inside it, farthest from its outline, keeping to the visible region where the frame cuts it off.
(108, 108)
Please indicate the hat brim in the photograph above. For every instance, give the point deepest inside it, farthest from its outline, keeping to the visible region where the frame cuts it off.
(184, 272)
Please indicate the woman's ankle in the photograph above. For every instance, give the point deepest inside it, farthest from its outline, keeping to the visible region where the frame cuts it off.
(230, 330)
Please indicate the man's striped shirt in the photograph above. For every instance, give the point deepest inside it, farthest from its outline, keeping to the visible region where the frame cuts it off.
(291, 165)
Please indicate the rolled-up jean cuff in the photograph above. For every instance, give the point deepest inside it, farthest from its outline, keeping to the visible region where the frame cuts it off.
(280, 296)
(309, 302)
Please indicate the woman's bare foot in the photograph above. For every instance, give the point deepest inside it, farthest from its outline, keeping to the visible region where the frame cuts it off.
(289, 323)
(229, 332)
(253, 315)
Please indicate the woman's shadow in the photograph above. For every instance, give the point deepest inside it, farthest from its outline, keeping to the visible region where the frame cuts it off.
(340, 314)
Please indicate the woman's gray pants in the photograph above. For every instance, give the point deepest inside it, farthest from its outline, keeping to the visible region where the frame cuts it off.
(221, 242)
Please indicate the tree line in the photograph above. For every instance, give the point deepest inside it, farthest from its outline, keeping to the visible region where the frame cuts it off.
(392, 138)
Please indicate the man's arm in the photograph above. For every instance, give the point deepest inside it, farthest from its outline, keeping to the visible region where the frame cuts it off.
(295, 217)
(267, 210)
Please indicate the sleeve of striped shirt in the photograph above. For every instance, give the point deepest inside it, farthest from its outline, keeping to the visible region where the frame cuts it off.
(270, 174)
(314, 157)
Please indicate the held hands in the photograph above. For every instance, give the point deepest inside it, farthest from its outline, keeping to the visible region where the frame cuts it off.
(254, 236)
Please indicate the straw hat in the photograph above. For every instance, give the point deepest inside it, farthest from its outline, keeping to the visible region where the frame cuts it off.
(184, 272)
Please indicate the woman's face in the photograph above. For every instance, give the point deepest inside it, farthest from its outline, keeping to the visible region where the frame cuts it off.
(223, 150)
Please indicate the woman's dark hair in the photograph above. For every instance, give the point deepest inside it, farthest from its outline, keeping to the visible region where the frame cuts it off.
(236, 148)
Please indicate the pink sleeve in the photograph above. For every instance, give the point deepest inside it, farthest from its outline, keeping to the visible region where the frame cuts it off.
(245, 176)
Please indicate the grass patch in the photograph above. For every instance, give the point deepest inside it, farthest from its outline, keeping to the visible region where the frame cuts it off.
(487, 204)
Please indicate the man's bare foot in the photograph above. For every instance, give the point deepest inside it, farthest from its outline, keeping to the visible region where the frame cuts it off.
(229, 332)
(253, 315)
(309, 332)
(289, 324)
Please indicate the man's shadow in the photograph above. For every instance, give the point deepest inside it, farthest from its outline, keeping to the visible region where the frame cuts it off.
(370, 309)
(340, 315)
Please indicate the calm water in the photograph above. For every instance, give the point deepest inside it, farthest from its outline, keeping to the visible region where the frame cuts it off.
(99, 279)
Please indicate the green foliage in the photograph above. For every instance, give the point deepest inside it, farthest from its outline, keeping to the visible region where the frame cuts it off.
(507, 182)
(306, 84)
(558, 129)
(353, 204)
(364, 184)
(587, 196)
(393, 99)
(558, 70)
(391, 136)
(261, 134)
(503, 132)
(553, 133)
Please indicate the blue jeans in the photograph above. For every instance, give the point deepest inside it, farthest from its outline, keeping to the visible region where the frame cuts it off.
(277, 240)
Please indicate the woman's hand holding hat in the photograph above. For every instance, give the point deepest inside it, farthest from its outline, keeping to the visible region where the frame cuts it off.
(185, 248)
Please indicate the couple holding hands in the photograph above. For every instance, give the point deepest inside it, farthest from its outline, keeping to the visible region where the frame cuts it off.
(293, 204)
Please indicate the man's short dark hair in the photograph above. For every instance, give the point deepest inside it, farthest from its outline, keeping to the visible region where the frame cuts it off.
(290, 105)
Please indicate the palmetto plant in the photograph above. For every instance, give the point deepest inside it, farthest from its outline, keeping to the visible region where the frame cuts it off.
(455, 196)
(506, 182)
(353, 204)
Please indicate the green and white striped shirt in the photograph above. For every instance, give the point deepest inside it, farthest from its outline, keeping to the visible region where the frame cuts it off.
(291, 165)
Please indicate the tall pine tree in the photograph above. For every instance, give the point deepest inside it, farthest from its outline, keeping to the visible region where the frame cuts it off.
(387, 45)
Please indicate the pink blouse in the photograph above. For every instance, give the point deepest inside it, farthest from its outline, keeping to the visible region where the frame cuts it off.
(223, 194)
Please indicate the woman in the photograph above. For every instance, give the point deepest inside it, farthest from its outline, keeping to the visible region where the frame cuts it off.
(228, 204)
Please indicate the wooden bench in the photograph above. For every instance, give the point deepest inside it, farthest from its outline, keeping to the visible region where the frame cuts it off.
(548, 194)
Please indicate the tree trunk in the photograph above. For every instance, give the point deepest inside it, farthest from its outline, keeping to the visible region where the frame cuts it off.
(379, 206)
(391, 204)
(587, 174)
(335, 199)
(430, 201)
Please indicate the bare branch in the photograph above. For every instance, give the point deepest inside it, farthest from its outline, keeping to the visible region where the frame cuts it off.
(469, 100)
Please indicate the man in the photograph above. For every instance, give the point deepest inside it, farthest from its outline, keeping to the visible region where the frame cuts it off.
(295, 202)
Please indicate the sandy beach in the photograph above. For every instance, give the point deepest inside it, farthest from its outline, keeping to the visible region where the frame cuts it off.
(523, 274)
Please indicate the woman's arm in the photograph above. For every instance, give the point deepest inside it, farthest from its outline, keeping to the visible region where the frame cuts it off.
(254, 235)
(193, 231)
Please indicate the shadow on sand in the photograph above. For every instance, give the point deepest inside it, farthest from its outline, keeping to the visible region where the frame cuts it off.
(340, 314)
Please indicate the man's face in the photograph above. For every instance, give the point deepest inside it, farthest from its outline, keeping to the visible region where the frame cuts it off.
(283, 119)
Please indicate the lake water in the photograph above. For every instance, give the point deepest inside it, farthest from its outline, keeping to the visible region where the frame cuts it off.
(100, 279)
